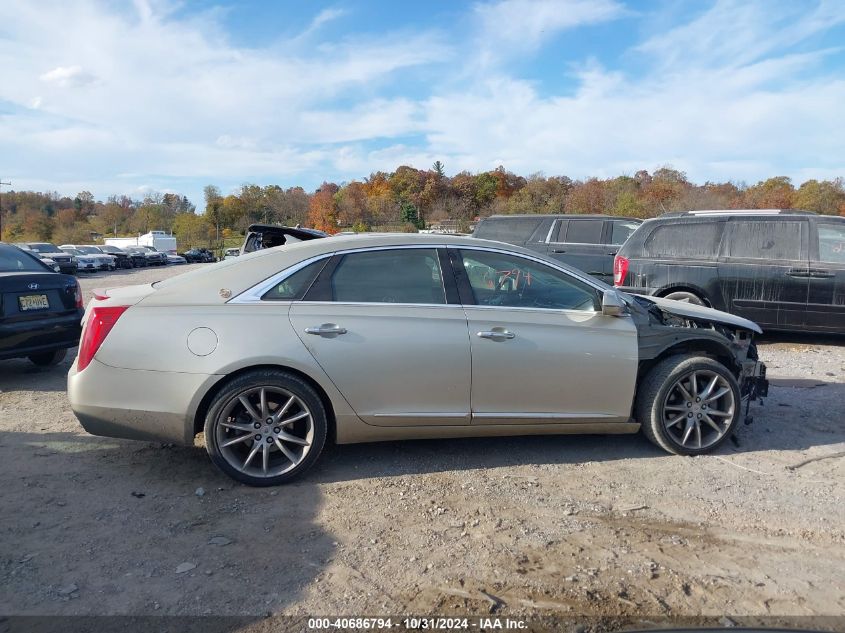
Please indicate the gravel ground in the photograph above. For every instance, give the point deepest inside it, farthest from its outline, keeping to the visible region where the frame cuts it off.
(605, 526)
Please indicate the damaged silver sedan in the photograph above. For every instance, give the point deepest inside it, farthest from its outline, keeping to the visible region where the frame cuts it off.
(389, 337)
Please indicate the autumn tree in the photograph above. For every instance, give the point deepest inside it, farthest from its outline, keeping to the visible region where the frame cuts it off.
(774, 193)
(322, 214)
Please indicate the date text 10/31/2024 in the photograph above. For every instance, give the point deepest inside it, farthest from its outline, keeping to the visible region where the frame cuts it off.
(418, 623)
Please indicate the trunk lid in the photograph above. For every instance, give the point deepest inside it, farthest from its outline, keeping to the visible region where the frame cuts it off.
(59, 291)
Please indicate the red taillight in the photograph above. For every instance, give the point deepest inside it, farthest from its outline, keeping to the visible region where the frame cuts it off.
(77, 295)
(620, 269)
(97, 328)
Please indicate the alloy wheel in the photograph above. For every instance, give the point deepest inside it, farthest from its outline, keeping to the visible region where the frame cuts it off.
(265, 431)
(699, 409)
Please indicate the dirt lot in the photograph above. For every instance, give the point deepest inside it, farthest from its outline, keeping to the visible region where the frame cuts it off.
(608, 526)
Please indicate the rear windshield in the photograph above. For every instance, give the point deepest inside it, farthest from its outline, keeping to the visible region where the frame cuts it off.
(507, 229)
(686, 240)
(15, 260)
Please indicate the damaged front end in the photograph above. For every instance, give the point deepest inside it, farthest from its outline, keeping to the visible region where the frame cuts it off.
(665, 326)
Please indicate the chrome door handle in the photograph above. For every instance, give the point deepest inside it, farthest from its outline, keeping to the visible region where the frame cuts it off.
(501, 334)
(325, 328)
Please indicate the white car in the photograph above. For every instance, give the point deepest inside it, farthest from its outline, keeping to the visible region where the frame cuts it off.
(104, 260)
(86, 263)
(385, 337)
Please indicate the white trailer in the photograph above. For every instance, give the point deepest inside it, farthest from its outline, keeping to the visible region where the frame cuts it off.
(159, 240)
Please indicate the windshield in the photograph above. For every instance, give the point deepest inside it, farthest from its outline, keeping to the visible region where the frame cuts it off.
(16, 260)
(44, 247)
(89, 250)
(73, 251)
(110, 249)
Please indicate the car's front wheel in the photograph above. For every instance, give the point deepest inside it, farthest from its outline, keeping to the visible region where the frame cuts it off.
(265, 427)
(49, 359)
(688, 404)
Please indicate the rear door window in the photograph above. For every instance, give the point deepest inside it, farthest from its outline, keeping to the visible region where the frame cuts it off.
(686, 240)
(584, 231)
(765, 239)
(409, 275)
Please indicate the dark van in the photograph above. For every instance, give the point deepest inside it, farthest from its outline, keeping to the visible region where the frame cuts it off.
(784, 269)
(587, 242)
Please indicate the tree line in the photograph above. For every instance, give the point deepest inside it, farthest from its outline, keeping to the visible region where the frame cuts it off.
(407, 199)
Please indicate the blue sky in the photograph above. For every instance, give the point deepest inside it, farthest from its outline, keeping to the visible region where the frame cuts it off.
(159, 95)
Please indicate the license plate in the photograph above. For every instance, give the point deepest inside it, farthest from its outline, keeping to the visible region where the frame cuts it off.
(33, 302)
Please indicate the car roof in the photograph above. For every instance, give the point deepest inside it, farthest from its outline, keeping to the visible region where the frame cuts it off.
(736, 213)
(564, 216)
(216, 283)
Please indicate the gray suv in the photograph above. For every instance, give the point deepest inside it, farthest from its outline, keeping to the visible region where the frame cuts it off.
(587, 242)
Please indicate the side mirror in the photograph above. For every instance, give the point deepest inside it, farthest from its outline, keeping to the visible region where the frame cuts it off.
(612, 304)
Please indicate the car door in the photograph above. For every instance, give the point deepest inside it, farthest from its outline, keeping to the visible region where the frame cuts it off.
(378, 323)
(826, 301)
(578, 242)
(542, 351)
(764, 270)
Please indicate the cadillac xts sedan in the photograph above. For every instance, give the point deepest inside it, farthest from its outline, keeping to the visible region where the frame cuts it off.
(385, 337)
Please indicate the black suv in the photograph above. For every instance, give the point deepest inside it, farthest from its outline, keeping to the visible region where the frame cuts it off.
(587, 242)
(784, 269)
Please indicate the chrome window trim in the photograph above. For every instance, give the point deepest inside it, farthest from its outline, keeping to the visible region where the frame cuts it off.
(253, 294)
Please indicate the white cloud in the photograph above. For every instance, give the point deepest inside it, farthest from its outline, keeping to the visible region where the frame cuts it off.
(517, 26)
(68, 76)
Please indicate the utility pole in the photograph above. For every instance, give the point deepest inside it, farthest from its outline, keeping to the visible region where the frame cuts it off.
(1, 209)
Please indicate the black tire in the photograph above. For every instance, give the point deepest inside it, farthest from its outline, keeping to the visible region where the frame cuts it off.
(686, 296)
(270, 379)
(49, 359)
(651, 408)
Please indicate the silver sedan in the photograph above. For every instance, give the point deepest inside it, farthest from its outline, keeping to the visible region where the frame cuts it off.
(386, 337)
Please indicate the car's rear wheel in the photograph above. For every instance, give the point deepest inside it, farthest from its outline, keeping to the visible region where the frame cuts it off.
(49, 359)
(265, 428)
(686, 297)
(688, 405)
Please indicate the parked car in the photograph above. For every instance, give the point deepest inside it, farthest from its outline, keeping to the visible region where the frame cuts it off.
(199, 256)
(50, 262)
(175, 259)
(587, 242)
(260, 236)
(231, 253)
(124, 259)
(153, 257)
(137, 259)
(385, 337)
(40, 310)
(67, 264)
(104, 260)
(84, 262)
(784, 269)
